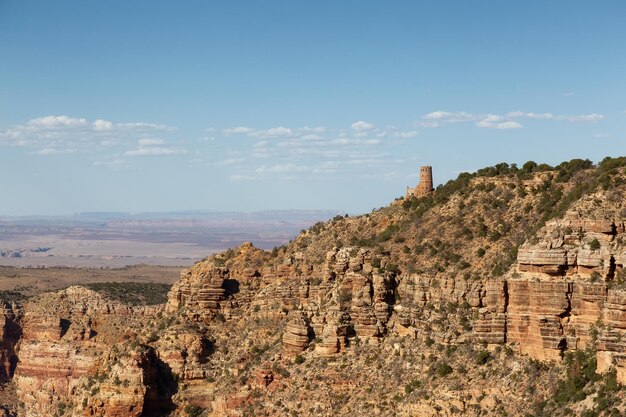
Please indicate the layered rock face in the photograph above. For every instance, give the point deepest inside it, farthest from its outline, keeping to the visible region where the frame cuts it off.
(296, 336)
(362, 297)
(562, 294)
(566, 289)
(558, 291)
(68, 363)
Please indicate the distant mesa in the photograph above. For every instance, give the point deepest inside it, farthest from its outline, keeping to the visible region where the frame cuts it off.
(425, 185)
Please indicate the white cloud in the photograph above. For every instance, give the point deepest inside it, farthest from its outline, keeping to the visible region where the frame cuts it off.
(493, 121)
(508, 125)
(102, 125)
(318, 129)
(281, 168)
(60, 133)
(274, 132)
(312, 138)
(489, 119)
(150, 142)
(318, 152)
(449, 117)
(496, 121)
(349, 141)
(238, 130)
(593, 117)
(155, 151)
(53, 122)
(140, 126)
(540, 116)
(361, 126)
(409, 134)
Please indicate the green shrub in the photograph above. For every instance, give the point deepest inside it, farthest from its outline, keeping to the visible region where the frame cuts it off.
(581, 369)
(193, 410)
(483, 357)
(412, 386)
(10, 295)
(393, 268)
(444, 369)
(388, 232)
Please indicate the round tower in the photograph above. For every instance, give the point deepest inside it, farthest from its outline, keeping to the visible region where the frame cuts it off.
(425, 185)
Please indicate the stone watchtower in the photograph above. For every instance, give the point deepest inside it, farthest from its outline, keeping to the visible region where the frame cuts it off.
(425, 185)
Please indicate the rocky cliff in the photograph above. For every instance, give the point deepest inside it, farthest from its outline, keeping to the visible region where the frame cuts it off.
(504, 292)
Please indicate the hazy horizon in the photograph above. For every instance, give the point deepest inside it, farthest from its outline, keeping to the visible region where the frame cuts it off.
(168, 213)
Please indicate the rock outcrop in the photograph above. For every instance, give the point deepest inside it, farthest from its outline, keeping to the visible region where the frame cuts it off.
(68, 360)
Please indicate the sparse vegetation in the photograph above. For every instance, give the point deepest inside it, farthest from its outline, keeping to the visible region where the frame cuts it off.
(594, 244)
(132, 293)
(193, 410)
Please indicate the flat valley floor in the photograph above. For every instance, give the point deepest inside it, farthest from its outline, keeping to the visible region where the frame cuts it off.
(18, 282)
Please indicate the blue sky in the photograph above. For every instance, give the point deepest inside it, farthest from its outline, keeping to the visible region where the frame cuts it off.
(241, 105)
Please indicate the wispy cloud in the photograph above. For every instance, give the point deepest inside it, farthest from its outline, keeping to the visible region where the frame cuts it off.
(151, 141)
(489, 121)
(241, 130)
(59, 134)
(55, 122)
(405, 134)
(281, 168)
(247, 153)
(496, 121)
(151, 147)
(493, 121)
(362, 126)
(593, 117)
(155, 151)
(450, 117)
(272, 132)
